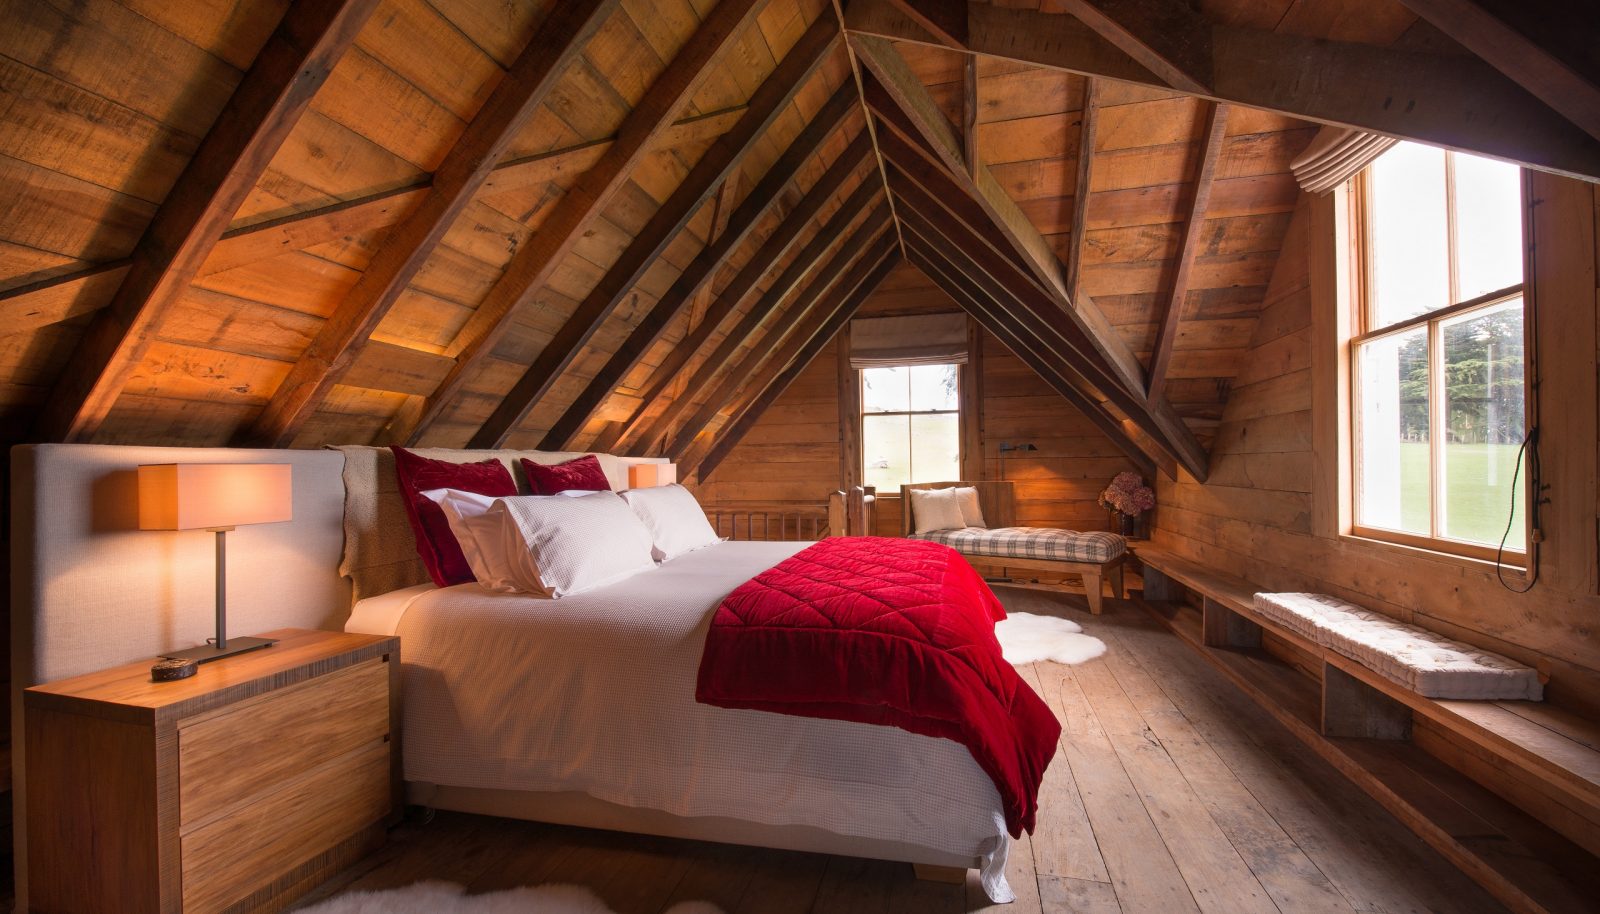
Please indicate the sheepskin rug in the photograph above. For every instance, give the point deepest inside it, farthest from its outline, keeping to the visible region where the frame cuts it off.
(1027, 638)
(448, 898)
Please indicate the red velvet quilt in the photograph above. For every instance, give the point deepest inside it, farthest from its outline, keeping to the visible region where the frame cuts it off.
(884, 631)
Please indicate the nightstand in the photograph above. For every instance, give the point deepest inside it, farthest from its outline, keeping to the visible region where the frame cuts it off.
(236, 789)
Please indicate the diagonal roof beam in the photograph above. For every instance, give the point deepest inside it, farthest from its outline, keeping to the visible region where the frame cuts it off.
(269, 100)
(993, 317)
(1216, 130)
(407, 247)
(1159, 35)
(843, 256)
(1087, 127)
(843, 302)
(945, 20)
(1447, 100)
(770, 98)
(773, 250)
(1534, 44)
(699, 273)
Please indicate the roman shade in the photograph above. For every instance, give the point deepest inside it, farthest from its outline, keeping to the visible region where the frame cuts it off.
(1334, 157)
(918, 339)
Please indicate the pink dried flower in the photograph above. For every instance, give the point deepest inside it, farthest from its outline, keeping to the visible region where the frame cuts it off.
(1128, 494)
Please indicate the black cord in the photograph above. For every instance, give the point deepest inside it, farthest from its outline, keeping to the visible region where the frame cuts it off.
(1531, 438)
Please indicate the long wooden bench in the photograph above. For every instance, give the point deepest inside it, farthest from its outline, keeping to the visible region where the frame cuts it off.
(1389, 741)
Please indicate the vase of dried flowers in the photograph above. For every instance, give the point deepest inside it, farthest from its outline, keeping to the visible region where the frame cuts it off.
(1127, 497)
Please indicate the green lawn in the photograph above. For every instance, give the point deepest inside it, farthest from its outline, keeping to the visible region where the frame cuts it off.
(1478, 503)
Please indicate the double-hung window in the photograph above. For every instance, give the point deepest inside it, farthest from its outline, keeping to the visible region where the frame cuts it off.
(910, 425)
(1437, 402)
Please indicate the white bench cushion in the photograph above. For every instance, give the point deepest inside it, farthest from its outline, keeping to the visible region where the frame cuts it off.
(1424, 662)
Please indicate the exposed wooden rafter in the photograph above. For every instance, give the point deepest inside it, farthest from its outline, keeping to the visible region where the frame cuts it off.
(816, 251)
(699, 273)
(1161, 36)
(969, 113)
(945, 20)
(773, 95)
(269, 100)
(1083, 186)
(841, 257)
(1216, 130)
(1460, 102)
(407, 247)
(1531, 43)
(786, 366)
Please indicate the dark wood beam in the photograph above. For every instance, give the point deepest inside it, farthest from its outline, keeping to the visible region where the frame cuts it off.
(770, 98)
(1455, 101)
(1160, 35)
(945, 20)
(870, 234)
(699, 273)
(269, 100)
(969, 113)
(1088, 124)
(845, 300)
(407, 247)
(1215, 131)
(994, 319)
(1548, 49)
(817, 251)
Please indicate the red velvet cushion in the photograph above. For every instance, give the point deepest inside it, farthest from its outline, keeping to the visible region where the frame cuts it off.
(582, 473)
(437, 546)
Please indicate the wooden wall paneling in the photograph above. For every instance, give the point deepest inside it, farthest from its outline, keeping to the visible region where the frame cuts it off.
(725, 154)
(263, 110)
(405, 250)
(844, 299)
(1215, 130)
(1441, 99)
(771, 252)
(698, 275)
(841, 253)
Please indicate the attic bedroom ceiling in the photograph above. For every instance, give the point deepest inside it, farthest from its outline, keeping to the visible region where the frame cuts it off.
(628, 225)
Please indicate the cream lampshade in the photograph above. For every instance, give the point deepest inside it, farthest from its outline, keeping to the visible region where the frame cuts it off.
(646, 475)
(216, 497)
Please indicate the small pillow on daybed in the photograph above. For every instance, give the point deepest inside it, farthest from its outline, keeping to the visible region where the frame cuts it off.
(1424, 662)
(935, 509)
(971, 508)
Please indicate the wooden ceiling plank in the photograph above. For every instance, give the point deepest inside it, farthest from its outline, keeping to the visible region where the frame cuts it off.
(407, 247)
(1459, 102)
(59, 298)
(1083, 187)
(773, 95)
(844, 300)
(816, 252)
(1213, 134)
(841, 257)
(269, 100)
(700, 272)
(995, 320)
(945, 20)
(1504, 38)
(1164, 37)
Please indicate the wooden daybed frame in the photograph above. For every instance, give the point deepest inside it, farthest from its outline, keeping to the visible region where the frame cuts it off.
(998, 499)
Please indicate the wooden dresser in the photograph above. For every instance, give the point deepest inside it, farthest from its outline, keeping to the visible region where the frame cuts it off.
(234, 790)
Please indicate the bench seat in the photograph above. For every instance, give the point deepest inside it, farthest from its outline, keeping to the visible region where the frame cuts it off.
(1424, 662)
(1043, 543)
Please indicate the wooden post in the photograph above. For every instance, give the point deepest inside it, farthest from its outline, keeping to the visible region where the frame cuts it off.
(1352, 708)
(1222, 627)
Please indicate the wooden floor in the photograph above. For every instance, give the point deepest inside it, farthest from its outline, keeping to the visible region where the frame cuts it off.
(1171, 793)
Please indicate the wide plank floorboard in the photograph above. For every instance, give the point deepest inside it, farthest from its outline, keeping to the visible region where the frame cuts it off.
(1171, 792)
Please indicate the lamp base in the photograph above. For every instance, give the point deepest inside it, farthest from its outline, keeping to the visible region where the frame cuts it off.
(208, 652)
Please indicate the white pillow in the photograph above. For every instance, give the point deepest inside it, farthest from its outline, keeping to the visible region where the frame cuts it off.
(971, 510)
(571, 545)
(935, 509)
(482, 537)
(676, 521)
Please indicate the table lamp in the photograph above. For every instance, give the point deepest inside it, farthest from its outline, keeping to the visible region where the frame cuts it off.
(648, 475)
(216, 497)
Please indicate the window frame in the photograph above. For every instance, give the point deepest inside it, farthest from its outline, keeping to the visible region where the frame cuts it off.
(1363, 316)
(861, 417)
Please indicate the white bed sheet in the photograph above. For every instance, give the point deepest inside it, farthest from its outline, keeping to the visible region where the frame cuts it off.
(595, 693)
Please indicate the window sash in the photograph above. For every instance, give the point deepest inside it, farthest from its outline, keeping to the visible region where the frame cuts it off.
(1366, 316)
(863, 414)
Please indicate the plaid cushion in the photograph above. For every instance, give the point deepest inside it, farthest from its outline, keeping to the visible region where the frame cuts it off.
(1031, 543)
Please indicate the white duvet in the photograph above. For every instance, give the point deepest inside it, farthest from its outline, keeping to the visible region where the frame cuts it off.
(595, 693)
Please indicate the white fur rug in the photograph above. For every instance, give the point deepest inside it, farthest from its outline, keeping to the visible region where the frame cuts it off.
(448, 898)
(1027, 638)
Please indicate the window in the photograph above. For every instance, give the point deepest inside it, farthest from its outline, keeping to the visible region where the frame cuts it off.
(1437, 374)
(910, 425)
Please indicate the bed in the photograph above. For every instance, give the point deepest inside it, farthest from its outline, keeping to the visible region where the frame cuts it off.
(603, 730)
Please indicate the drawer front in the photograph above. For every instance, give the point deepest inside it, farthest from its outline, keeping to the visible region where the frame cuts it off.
(230, 857)
(235, 754)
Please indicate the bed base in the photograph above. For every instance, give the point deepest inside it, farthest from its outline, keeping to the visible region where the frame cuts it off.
(582, 810)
